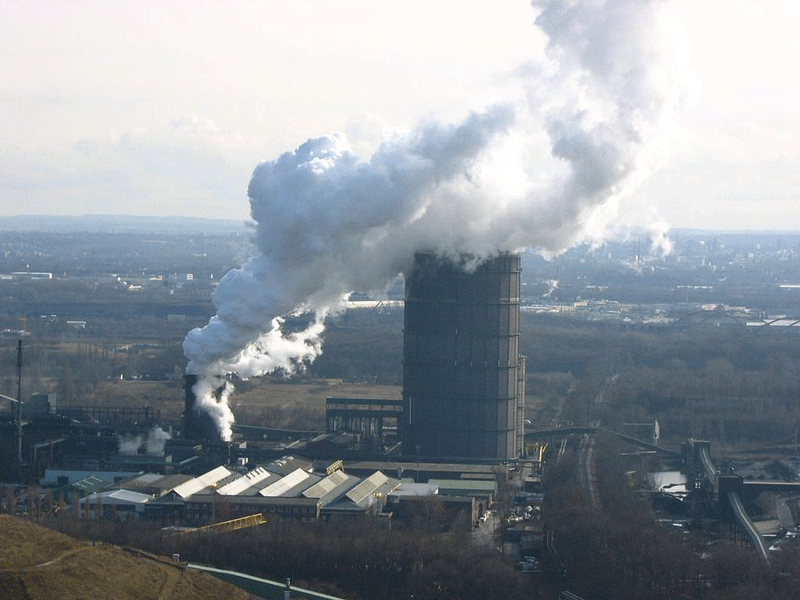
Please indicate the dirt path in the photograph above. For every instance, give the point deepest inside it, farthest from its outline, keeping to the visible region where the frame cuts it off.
(60, 557)
(64, 555)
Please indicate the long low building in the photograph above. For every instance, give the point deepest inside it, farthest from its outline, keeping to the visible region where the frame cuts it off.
(422, 471)
(299, 496)
(118, 505)
(287, 488)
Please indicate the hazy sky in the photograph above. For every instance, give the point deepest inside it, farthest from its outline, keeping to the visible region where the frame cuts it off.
(165, 108)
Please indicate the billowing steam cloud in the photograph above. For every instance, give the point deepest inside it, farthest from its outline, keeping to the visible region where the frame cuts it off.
(524, 174)
(153, 443)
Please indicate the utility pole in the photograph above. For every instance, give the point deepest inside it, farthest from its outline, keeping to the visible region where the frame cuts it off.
(19, 402)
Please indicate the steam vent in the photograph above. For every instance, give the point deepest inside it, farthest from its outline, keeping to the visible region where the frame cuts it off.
(197, 426)
(463, 377)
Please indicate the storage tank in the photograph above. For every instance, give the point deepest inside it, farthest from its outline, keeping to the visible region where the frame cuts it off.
(463, 376)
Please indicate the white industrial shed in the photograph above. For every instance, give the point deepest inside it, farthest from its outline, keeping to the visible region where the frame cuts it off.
(114, 504)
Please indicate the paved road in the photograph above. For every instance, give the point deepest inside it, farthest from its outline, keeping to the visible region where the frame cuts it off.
(484, 534)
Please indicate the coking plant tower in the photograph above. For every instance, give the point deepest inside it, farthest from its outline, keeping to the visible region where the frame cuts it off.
(463, 375)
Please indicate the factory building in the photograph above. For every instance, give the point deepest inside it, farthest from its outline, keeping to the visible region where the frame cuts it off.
(288, 488)
(463, 376)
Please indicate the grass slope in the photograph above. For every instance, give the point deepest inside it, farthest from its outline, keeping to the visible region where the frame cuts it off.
(39, 564)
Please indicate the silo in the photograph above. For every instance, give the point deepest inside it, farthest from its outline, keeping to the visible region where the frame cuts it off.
(463, 377)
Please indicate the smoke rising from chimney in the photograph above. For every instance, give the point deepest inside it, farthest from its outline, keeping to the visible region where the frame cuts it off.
(153, 443)
(537, 173)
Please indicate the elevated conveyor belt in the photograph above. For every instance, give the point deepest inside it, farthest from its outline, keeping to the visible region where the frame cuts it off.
(736, 505)
(748, 526)
(564, 431)
(643, 444)
(708, 466)
(231, 525)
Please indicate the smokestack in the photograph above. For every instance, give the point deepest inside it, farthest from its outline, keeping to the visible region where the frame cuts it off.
(198, 425)
(462, 395)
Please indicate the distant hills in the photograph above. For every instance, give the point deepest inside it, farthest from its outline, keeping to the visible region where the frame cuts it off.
(120, 224)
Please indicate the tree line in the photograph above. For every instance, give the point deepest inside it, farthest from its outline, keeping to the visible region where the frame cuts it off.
(619, 551)
(352, 558)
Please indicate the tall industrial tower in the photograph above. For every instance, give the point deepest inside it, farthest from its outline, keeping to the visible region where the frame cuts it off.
(463, 376)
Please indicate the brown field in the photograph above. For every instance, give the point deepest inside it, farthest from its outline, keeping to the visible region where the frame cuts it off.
(39, 564)
(259, 402)
(297, 405)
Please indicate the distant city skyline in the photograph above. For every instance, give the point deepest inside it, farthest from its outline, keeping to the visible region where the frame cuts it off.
(166, 108)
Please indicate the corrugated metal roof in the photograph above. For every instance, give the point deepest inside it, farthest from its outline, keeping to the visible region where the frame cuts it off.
(193, 486)
(129, 496)
(116, 497)
(387, 487)
(284, 484)
(170, 482)
(327, 485)
(464, 484)
(146, 479)
(257, 487)
(141, 483)
(287, 464)
(91, 484)
(245, 481)
(415, 489)
(367, 487)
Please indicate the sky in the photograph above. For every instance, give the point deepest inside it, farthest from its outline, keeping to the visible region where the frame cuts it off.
(166, 108)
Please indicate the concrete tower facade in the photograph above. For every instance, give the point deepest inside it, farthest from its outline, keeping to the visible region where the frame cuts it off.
(463, 376)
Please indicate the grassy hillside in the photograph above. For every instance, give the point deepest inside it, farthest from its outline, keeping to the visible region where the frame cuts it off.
(39, 564)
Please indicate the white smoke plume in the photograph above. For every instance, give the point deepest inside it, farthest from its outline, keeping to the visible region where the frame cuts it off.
(129, 444)
(538, 173)
(552, 286)
(156, 441)
(661, 244)
(153, 443)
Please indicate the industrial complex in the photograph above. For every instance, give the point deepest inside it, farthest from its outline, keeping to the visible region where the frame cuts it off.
(456, 434)
(453, 435)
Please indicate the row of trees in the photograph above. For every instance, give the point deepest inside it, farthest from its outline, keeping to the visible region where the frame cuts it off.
(726, 384)
(729, 385)
(352, 558)
(619, 551)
